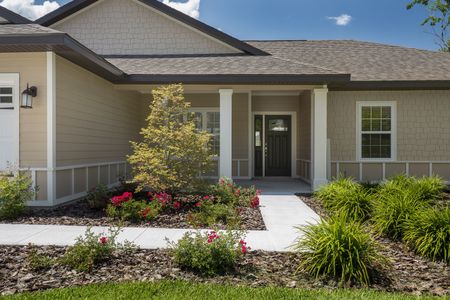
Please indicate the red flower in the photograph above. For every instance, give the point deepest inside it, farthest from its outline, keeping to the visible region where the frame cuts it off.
(244, 247)
(103, 240)
(144, 213)
(254, 202)
(212, 236)
(198, 204)
(116, 200)
(127, 196)
(237, 192)
(206, 197)
(177, 205)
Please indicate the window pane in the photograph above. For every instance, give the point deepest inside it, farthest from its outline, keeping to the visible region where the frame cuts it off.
(385, 151)
(365, 153)
(375, 152)
(385, 140)
(366, 125)
(386, 125)
(6, 91)
(375, 139)
(366, 112)
(278, 125)
(6, 99)
(365, 141)
(376, 112)
(376, 125)
(386, 112)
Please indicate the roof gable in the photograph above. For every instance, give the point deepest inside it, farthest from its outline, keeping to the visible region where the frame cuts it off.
(9, 17)
(136, 22)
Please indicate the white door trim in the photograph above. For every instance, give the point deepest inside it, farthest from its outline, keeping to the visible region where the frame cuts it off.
(13, 80)
(293, 115)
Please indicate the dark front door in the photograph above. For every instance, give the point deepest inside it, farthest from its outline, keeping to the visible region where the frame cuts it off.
(278, 145)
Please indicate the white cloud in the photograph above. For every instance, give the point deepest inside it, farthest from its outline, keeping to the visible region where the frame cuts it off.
(190, 8)
(29, 9)
(341, 20)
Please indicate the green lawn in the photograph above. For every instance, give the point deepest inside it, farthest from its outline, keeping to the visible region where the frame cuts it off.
(184, 290)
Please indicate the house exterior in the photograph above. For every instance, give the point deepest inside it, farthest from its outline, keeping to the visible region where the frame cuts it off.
(302, 109)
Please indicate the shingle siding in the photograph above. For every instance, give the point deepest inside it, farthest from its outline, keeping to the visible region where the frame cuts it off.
(126, 27)
(423, 125)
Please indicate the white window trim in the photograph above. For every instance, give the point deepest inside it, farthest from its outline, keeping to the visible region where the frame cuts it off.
(393, 105)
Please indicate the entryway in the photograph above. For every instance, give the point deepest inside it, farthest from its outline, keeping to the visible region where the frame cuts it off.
(9, 121)
(273, 145)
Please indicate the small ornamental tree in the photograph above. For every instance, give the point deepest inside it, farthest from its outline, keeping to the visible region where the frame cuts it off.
(172, 153)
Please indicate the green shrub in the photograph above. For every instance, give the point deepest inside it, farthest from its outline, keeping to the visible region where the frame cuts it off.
(209, 253)
(214, 214)
(339, 248)
(428, 233)
(429, 188)
(229, 193)
(393, 207)
(38, 261)
(92, 249)
(15, 191)
(98, 197)
(346, 197)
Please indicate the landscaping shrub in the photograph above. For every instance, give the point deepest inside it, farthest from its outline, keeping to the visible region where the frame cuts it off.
(125, 208)
(214, 214)
(393, 207)
(15, 191)
(346, 197)
(98, 197)
(172, 152)
(428, 233)
(429, 188)
(339, 248)
(92, 249)
(38, 261)
(229, 193)
(209, 253)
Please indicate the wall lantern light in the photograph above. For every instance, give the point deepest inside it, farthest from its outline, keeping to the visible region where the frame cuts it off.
(27, 96)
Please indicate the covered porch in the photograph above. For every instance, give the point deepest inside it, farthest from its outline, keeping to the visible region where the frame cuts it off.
(267, 133)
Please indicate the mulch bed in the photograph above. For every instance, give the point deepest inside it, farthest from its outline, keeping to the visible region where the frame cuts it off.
(79, 213)
(409, 272)
(258, 269)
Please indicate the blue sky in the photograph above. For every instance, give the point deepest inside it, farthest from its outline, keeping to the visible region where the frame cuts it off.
(384, 21)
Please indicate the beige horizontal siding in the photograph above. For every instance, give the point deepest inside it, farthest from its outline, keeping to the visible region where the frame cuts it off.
(32, 69)
(94, 122)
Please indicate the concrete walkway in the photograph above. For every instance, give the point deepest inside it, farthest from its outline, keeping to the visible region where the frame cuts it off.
(281, 213)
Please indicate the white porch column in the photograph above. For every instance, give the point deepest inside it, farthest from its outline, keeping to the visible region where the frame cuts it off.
(319, 137)
(226, 138)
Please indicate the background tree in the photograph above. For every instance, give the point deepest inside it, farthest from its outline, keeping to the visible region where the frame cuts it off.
(172, 153)
(438, 19)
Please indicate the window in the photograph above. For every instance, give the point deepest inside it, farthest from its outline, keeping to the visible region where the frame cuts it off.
(209, 121)
(376, 130)
(6, 95)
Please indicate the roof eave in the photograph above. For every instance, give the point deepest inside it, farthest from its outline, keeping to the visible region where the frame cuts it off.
(392, 85)
(13, 17)
(282, 79)
(65, 46)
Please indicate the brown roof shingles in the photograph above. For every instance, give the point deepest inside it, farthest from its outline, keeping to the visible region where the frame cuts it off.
(363, 60)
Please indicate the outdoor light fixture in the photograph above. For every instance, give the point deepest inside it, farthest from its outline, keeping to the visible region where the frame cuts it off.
(27, 96)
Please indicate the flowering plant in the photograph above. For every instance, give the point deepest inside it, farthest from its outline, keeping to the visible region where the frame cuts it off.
(210, 253)
(92, 249)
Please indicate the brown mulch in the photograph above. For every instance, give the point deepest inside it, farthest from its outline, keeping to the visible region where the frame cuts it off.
(79, 213)
(258, 268)
(408, 272)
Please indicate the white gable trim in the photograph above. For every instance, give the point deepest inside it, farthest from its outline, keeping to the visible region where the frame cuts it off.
(155, 11)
